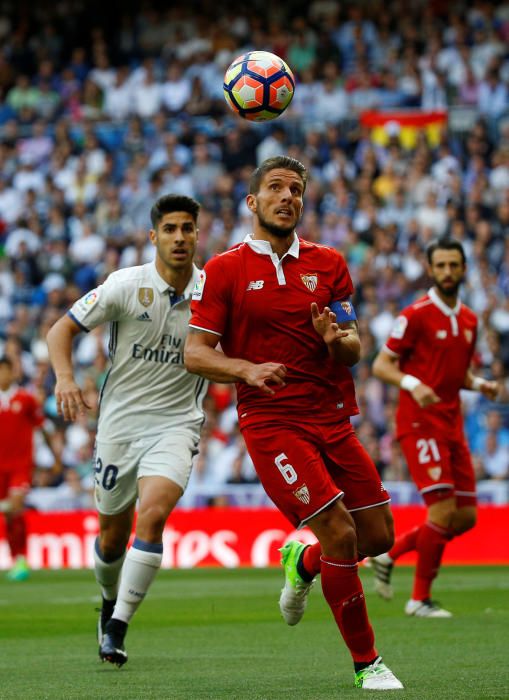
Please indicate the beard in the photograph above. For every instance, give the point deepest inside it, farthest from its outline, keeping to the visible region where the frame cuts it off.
(451, 291)
(278, 231)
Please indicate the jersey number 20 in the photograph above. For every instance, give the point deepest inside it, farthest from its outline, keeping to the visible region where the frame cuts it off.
(109, 476)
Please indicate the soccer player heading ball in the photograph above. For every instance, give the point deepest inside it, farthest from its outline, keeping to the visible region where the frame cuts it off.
(280, 307)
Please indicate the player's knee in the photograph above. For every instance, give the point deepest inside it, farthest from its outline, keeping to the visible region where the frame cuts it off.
(151, 521)
(464, 522)
(375, 533)
(341, 542)
(378, 543)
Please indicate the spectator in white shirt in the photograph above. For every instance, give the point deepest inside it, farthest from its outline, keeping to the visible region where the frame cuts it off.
(27, 178)
(176, 90)
(102, 74)
(21, 239)
(147, 97)
(430, 216)
(11, 202)
(88, 249)
(494, 459)
(493, 99)
(118, 97)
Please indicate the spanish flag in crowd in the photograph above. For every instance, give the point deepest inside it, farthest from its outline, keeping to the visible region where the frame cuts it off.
(405, 125)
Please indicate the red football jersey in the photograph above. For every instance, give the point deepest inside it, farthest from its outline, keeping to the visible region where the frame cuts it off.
(259, 305)
(435, 344)
(20, 414)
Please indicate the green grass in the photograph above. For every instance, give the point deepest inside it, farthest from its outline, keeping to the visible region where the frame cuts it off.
(206, 634)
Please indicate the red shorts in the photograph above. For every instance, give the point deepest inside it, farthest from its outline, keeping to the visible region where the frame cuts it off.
(16, 480)
(440, 468)
(304, 468)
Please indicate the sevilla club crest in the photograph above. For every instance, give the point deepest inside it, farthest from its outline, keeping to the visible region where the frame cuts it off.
(311, 281)
(302, 493)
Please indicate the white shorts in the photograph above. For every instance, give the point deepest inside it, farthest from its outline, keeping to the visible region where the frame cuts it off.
(118, 466)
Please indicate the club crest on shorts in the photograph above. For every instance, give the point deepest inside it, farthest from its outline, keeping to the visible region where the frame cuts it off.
(302, 493)
(435, 473)
(311, 281)
(145, 296)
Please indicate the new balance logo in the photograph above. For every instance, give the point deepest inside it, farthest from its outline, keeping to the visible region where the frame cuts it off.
(144, 317)
(255, 285)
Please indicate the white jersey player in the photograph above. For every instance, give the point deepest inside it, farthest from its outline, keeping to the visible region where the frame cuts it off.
(150, 409)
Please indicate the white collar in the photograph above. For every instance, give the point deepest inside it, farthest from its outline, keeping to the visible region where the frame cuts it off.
(162, 286)
(264, 247)
(447, 310)
(9, 393)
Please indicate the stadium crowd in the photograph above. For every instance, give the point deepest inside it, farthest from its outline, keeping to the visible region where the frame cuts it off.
(99, 119)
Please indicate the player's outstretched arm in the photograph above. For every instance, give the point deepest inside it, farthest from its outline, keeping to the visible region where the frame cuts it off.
(386, 368)
(342, 339)
(486, 387)
(201, 357)
(70, 401)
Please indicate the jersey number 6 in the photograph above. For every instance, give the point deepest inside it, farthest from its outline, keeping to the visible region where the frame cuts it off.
(288, 472)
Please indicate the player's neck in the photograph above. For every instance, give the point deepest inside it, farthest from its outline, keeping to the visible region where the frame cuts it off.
(280, 246)
(178, 279)
(448, 300)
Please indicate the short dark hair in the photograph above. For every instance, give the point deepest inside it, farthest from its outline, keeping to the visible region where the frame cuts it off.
(284, 162)
(445, 243)
(169, 203)
(4, 360)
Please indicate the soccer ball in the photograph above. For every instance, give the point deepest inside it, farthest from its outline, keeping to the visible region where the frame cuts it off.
(258, 86)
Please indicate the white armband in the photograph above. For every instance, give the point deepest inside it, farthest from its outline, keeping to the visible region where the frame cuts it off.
(409, 382)
(477, 383)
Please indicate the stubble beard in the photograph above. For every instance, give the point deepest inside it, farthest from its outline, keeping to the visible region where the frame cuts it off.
(278, 231)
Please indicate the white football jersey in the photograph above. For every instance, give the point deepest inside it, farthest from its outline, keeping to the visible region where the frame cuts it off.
(147, 388)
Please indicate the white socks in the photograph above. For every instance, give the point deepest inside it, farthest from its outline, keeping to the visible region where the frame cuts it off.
(141, 565)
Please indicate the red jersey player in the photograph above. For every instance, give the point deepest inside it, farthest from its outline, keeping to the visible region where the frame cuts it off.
(280, 307)
(428, 355)
(20, 414)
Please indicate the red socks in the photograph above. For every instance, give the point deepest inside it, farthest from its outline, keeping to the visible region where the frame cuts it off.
(405, 543)
(431, 541)
(343, 592)
(17, 535)
(311, 559)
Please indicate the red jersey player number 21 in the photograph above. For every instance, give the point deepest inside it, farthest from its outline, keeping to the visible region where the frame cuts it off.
(428, 355)
(280, 307)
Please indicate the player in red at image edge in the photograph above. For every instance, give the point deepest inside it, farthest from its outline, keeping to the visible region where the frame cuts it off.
(20, 415)
(428, 355)
(280, 307)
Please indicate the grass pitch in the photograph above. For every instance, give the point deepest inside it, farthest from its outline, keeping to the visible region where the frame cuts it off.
(211, 634)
